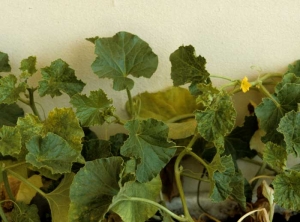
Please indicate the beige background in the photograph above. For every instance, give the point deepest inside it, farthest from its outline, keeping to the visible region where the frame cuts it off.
(232, 35)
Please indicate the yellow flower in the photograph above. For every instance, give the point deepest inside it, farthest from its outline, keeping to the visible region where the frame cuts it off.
(245, 85)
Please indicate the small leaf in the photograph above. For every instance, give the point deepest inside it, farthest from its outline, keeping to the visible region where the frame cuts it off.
(207, 94)
(93, 110)
(28, 67)
(131, 210)
(294, 68)
(4, 65)
(289, 126)
(51, 152)
(287, 190)
(217, 120)
(26, 193)
(275, 155)
(24, 213)
(9, 92)
(100, 178)
(148, 143)
(187, 68)
(59, 200)
(122, 55)
(9, 114)
(59, 77)
(10, 141)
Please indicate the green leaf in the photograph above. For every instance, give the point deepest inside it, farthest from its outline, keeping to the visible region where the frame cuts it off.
(275, 155)
(4, 65)
(96, 149)
(28, 67)
(29, 126)
(237, 143)
(287, 190)
(207, 94)
(9, 114)
(63, 122)
(59, 200)
(187, 68)
(217, 120)
(59, 77)
(51, 152)
(122, 55)
(131, 210)
(9, 92)
(238, 189)
(25, 213)
(148, 143)
(270, 114)
(294, 68)
(10, 141)
(287, 78)
(100, 178)
(93, 110)
(165, 105)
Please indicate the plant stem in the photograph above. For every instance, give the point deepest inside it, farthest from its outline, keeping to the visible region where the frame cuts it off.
(263, 89)
(259, 172)
(24, 101)
(222, 77)
(25, 181)
(32, 103)
(15, 165)
(2, 215)
(180, 117)
(132, 112)
(194, 177)
(7, 186)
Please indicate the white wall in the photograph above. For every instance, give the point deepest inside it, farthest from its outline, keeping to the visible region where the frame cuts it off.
(231, 35)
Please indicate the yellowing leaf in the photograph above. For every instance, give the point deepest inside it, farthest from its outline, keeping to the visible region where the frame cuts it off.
(9, 92)
(26, 193)
(10, 141)
(182, 130)
(28, 67)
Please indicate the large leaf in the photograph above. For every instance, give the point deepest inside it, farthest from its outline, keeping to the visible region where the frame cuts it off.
(287, 190)
(4, 65)
(29, 126)
(275, 155)
(9, 114)
(10, 141)
(25, 192)
(289, 126)
(93, 110)
(59, 77)
(270, 113)
(217, 120)
(287, 78)
(59, 199)
(148, 143)
(51, 152)
(122, 55)
(128, 208)
(187, 68)
(28, 67)
(93, 189)
(9, 92)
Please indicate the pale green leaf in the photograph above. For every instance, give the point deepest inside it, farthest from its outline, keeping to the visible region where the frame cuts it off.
(10, 141)
(9, 114)
(93, 189)
(25, 213)
(207, 94)
(9, 92)
(128, 208)
(187, 68)
(93, 110)
(28, 67)
(182, 130)
(51, 152)
(289, 126)
(217, 120)
(59, 77)
(29, 126)
(25, 192)
(4, 65)
(275, 155)
(59, 199)
(148, 143)
(122, 55)
(287, 190)
(215, 165)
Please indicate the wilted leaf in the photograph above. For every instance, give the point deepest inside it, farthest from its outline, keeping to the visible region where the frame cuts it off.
(122, 55)
(100, 178)
(28, 67)
(131, 210)
(9, 92)
(25, 213)
(182, 130)
(10, 141)
(51, 152)
(289, 126)
(4, 65)
(25, 192)
(187, 68)
(59, 77)
(9, 114)
(275, 155)
(93, 110)
(287, 190)
(148, 143)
